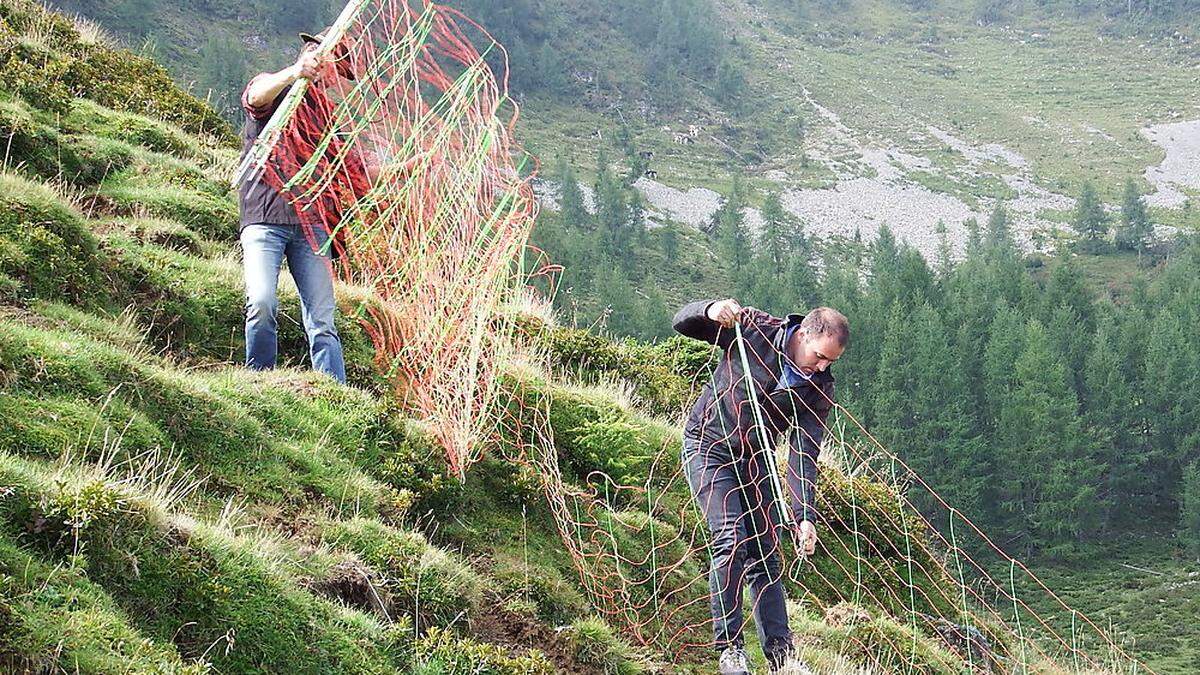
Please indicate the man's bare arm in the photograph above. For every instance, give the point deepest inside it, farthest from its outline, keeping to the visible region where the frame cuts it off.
(265, 87)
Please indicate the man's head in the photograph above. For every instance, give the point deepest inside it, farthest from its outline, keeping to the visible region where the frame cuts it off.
(823, 336)
(311, 40)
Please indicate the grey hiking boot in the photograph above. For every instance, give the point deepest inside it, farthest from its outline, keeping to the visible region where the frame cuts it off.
(734, 662)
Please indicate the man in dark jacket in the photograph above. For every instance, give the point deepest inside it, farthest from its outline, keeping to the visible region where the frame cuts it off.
(271, 231)
(773, 378)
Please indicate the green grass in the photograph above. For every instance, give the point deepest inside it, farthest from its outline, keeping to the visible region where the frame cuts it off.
(45, 243)
(54, 616)
(1142, 590)
(212, 216)
(596, 644)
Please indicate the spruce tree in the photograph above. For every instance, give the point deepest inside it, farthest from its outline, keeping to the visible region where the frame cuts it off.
(572, 213)
(1135, 229)
(1169, 385)
(1047, 467)
(612, 211)
(551, 69)
(733, 240)
(945, 259)
(999, 232)
(730, 83)
(1189, 516)
(1114, 405)
(783, 273)
(1089, 218)
(925, 419)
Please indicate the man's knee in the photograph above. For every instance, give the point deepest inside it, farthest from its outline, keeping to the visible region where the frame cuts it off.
(321, 322)
(763, 560)
(725, 544)
(261, 306)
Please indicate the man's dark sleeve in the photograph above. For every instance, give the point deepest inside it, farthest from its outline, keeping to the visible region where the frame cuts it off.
(693, 322)
(805, 441)
(805, 447)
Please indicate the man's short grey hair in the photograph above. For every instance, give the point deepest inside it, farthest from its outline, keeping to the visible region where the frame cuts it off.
(827, 321)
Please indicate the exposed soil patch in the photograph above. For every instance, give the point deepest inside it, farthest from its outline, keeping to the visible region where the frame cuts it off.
(509, 629)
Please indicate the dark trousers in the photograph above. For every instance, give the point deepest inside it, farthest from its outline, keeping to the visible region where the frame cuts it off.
(736, 499)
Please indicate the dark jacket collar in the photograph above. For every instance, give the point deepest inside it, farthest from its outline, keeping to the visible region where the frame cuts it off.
(781, 334)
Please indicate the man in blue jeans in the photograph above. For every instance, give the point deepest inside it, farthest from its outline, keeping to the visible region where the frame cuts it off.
(773, 378)
(271, 231)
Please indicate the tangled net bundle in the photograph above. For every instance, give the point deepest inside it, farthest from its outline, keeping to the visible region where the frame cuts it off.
(400, 161)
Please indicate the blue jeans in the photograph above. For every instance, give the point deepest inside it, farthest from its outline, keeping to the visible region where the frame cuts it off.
(264, 247)
(735, 496)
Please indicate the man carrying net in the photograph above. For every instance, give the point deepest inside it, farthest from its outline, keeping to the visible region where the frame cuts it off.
(772, 378)
(271, 231)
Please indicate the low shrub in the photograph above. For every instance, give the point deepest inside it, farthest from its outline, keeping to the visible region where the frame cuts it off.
(45, 244)
(552, 597)
(440, 652)
(597, 645)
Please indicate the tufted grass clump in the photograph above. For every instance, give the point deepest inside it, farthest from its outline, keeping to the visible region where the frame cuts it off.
(189, 584)
(89, 117)
(53, 617)
(432, 586)
(211, 216)
(44, 243)
(551, 596)
(596, 644)
(33, 145)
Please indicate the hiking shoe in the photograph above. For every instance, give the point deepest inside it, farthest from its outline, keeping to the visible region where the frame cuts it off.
(734, 662)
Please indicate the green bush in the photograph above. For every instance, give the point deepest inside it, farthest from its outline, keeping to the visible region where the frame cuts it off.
(596, 645)
(867, 551)
(411, 461)
(440, 652)
(851, 636)
(591, 432)
(122, 80)
(46, 62)
(661, 375)
(35, 72)
(41, 150)
(97, 158)
(44, 243)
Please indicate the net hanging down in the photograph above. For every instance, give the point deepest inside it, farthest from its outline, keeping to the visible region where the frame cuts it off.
(399, 159)
(914, 589)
